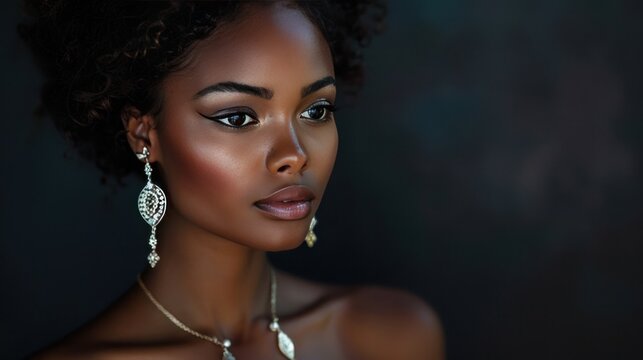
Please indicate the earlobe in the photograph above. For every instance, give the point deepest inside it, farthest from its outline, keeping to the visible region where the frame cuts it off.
(138, 128)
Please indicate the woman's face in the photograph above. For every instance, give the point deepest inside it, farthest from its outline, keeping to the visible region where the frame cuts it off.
(250, 115)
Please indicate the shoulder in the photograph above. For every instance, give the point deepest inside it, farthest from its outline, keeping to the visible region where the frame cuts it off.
(384, 323)
(92, 345)
(125, 330)
(368, 322)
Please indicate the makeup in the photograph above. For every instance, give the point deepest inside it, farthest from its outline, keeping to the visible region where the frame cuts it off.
(290, 203)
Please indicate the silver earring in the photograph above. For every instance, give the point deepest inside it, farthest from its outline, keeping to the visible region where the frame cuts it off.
(151, 204)
(311, 238)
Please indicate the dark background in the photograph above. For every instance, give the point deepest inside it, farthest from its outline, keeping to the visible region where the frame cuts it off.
(492, 165)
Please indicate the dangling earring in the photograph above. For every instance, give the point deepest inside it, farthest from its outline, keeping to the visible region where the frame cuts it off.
(151, 204)
(311, 238)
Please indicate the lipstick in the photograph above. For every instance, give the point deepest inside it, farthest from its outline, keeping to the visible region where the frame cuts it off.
(290, 203)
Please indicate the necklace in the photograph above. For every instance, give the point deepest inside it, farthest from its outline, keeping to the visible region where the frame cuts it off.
(284, 343)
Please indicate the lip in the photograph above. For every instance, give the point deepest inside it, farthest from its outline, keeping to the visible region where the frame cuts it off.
(290, 203)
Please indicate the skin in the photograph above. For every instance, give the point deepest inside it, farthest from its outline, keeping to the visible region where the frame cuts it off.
(213, 274)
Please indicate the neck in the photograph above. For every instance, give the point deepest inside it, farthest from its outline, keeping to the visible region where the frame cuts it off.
(211, 284)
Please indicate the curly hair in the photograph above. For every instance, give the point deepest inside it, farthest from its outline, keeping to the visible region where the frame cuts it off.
(101, 57)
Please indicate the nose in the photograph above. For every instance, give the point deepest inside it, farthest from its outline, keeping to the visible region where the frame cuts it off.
(287, 155)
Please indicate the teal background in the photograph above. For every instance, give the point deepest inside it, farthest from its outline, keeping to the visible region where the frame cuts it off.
(491, 165)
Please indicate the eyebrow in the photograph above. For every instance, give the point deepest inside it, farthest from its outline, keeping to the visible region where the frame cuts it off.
(231, 86)
(321, 83)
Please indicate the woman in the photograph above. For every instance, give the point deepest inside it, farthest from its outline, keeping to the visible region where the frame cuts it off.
(228, 106)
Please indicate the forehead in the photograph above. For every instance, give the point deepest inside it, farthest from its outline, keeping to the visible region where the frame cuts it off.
(264, 43)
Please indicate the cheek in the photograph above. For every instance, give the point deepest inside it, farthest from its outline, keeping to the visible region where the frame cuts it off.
(200, 170)
(331, 150)
(206, 177)
(324, 149)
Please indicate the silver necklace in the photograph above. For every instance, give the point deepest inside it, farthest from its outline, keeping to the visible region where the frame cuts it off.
(284, 343)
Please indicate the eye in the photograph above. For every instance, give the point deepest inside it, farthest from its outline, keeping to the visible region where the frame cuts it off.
(320, 111)
(234, 120)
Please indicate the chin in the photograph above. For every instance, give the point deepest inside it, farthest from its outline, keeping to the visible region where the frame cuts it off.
(274, 235)
(279, 245)
(277, 241)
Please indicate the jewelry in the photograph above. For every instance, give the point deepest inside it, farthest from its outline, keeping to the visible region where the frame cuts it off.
(151, 204)
(285, 344)
(311, 238)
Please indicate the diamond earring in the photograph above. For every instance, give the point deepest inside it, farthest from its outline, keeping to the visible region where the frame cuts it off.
(151, 204)
(311, 238)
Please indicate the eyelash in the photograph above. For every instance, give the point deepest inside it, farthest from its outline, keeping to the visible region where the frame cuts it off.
(328, 108)
(222, 119)
(250, 118)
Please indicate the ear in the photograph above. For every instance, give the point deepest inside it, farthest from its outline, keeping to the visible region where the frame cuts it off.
(140, 129)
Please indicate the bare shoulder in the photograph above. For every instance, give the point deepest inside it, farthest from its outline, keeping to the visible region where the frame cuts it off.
(80, 344)
(368, 322)
(384, 323)
(125, 330)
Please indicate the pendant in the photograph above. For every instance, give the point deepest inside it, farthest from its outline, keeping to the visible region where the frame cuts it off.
(227, 355)
(152, 203)
(286, 346)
